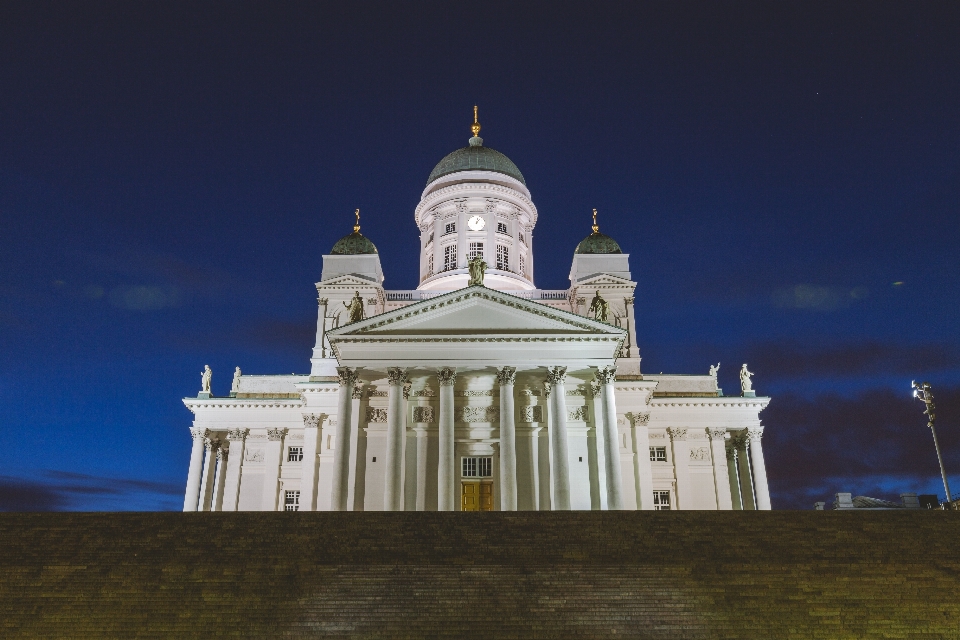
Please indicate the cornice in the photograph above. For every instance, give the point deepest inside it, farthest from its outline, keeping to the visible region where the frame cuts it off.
(231, 403)
(717, 402)
(452, 191)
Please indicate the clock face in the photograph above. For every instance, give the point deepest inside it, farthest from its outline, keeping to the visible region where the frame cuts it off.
(475, 223)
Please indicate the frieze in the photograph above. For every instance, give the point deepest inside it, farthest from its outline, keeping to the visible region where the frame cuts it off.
(373, 393)
(700, 454)
(657, 436)
(531, 414)
(677, 433)
(375, 414)
(276, 434)
(478, 414)
(424, 393)
(473, 393)
(423, 414)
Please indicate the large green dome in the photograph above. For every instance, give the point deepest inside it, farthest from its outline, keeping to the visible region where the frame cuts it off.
(476, 157)
(352, 245)
(597, 242)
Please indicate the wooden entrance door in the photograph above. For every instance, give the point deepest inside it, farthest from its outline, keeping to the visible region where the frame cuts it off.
(476, 496)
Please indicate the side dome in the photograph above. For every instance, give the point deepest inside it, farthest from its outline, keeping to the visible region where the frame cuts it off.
(598, 243)
(476, 157)
(352, 245)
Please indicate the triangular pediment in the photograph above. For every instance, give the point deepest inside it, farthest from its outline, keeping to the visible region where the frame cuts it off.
(475, 311)
(346, 280)
(605, 280)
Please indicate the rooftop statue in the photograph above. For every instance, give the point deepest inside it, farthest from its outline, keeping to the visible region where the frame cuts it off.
(206, 377)
(714, 370)
(236, 381)
(745, 385)
(599, 308)
(477, 269)
(355, 307)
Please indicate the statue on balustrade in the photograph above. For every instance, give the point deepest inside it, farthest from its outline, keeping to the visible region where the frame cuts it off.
(600, 308)
(355, 307)
(206, 377)
(745, 384)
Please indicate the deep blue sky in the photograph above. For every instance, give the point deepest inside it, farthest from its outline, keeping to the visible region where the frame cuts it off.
(170, 175)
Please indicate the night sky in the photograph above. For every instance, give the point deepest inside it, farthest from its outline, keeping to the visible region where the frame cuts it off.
(784, 176)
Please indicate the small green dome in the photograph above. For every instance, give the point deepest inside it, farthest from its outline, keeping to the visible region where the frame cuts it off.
(476, 157)
(597, 242)
(352, 245)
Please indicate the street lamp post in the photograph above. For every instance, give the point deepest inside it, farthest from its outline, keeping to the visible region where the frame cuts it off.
(924, 393)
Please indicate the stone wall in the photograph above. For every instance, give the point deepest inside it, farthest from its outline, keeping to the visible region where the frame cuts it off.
(481, 575)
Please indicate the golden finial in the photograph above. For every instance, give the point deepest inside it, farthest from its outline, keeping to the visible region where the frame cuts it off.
(475, 127)
(596, 229)
(356, 227)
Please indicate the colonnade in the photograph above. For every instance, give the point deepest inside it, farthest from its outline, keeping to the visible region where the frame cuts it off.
(213, 481)
(747, 471)
(446, 467)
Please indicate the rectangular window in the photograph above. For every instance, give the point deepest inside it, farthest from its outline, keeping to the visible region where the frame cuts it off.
(661, 501)
(658, 454)
(503, 257)
(521, 238)
(477, 467)
(502, 228)
(476, 249)
(430, 239)
(523, 269)
(430, 264)
(450, 228)
(294, 454)
(450, 257)
(291, 501)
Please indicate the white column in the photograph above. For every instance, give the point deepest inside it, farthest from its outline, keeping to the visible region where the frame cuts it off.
(745, 479)
(357, 471)
(272, 462)
(312, 424)
(446, 467)
(192, 496)
(598, 464)
(644, 470)
(508, 440)
(759, 469)
(231, 492)
(560, 473)
(222, 458)
(341, 452)
(734, 478)
(210, 446)
(681, 465)
(721, 478)
(611, 443)
(422, 452)
(393, 474)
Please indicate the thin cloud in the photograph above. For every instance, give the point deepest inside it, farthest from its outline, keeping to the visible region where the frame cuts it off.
(67, 491)
(793, 359)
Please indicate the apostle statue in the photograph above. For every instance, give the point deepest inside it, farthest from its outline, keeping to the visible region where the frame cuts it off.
(477, 268)
(206, 377)
(714, 370)
(745, 385)
(236, 381)
(355, 307)
(599, 308)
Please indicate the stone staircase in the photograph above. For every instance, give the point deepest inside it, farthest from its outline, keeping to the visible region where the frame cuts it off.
(481, 576)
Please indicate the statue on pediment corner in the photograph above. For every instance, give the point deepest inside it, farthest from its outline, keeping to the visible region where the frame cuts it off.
(355, 307)
(478, 268)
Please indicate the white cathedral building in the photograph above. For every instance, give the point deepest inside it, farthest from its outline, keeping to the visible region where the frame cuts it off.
(476, 391)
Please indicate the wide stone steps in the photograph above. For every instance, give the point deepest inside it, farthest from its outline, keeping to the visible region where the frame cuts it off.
(481, 575)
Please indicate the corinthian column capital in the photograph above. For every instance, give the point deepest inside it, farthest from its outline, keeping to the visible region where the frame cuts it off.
(506, 375)
(396, 376)
(447, 376)
(237, 434)
(198, 433)
(276, 434)
(754, 433)
(717, 434)
(346, 376)
(606, 375)
(556, 375)
(677, 433)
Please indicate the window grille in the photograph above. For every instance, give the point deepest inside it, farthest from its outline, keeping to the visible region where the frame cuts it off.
(450, 228)
(291, 501)
(294, 454)
(658, 454)
(430, 264)
(475, 250)
(450, 257)
(661, 501)
(502, 228)
(503, 257)
(477, 467)
(523, 269)
(521, 238)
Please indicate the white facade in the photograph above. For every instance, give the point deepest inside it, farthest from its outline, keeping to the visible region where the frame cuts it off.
(495, 397)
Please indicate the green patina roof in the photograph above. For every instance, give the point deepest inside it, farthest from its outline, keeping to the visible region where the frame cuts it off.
(476, 157)
(596, 242)
(353, 244)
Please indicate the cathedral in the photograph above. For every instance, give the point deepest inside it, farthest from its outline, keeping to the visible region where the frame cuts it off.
(476, 391)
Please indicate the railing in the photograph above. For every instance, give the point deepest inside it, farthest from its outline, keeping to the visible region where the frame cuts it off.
(416, 296)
